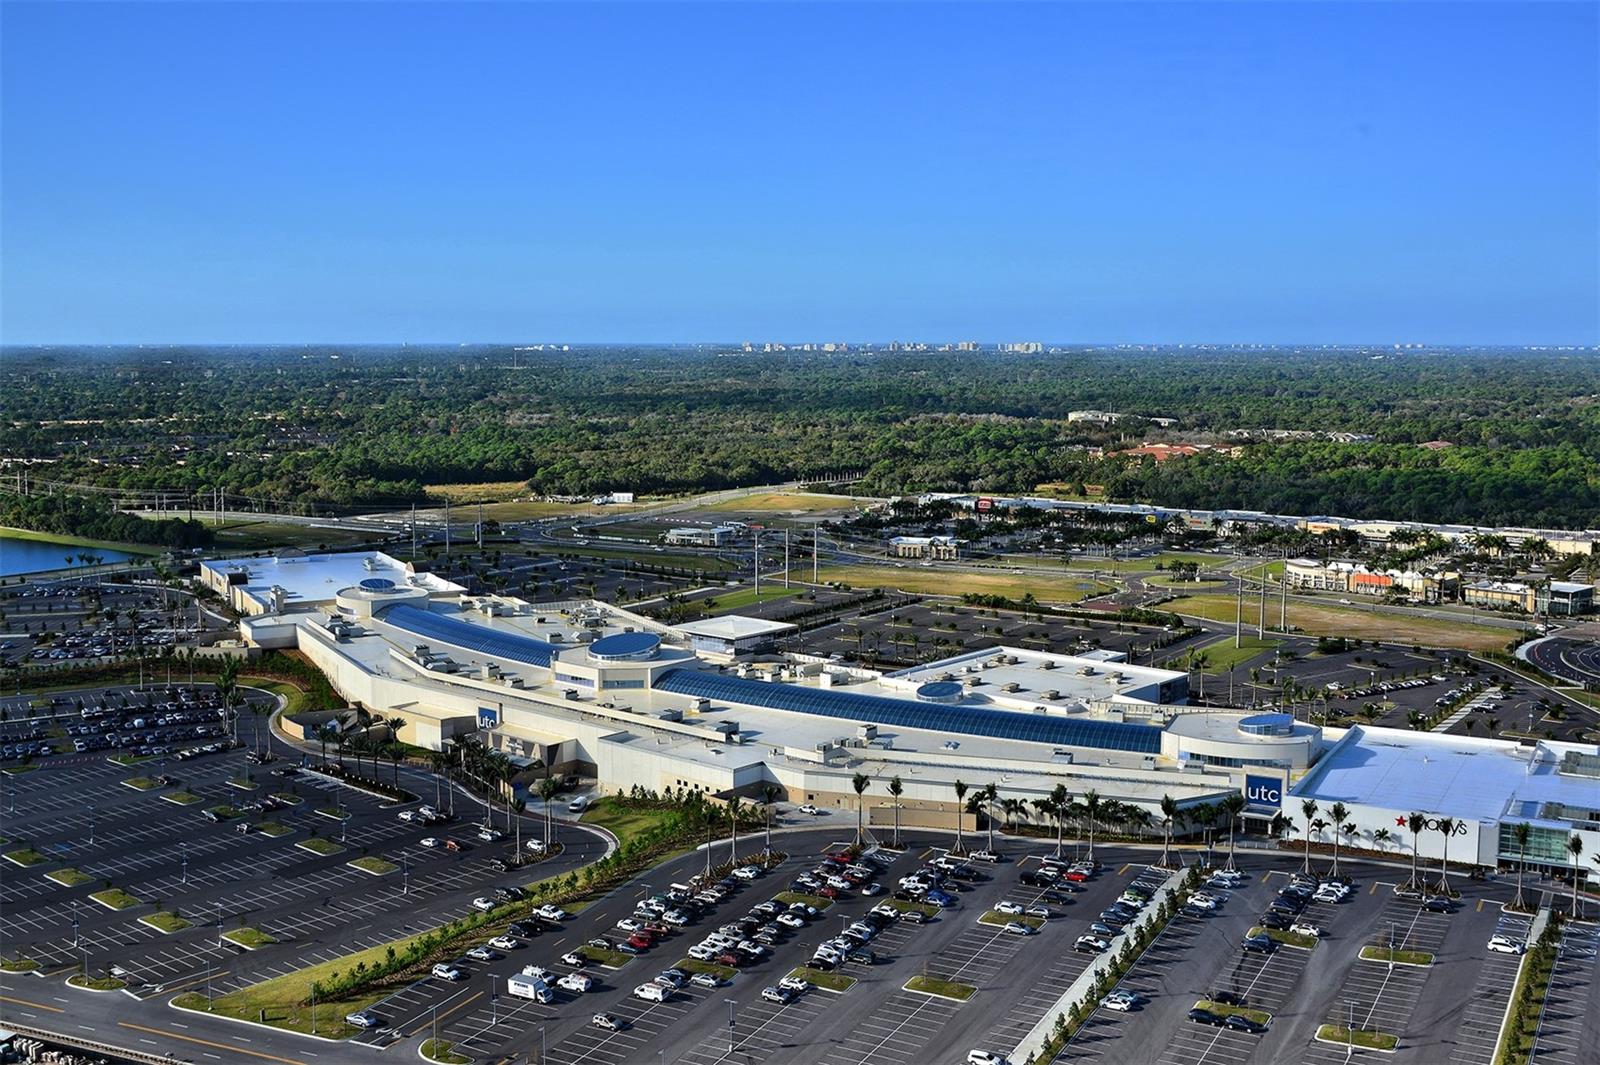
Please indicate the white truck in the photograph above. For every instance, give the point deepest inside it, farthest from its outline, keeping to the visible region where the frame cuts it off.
(530, 987)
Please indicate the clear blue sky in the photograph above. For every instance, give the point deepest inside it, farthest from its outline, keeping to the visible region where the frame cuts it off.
(1233, 172)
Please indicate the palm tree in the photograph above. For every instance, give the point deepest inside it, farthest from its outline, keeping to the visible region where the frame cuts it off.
(397, 751)
(1278, 826)
(990, 795)
(1381, 837)
(1232, 806)
(1309, 809)
(1575, 848)
(1169, 816)
(734, 806)
(1011, 808)
(1447, 828)
(896, 789)
(769, 795)
(1060, 799)
(860, 783)
(1416, 823)
(1091, 809)
(547, 791)
(1521, 831)
(961, 798)
(520, 805)
(1340, 813)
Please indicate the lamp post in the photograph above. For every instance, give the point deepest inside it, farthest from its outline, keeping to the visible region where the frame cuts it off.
(184, 851)
(730, 1003)
(75, 924)
(91, 823)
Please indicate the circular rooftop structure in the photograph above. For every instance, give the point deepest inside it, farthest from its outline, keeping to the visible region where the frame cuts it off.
(377, 584)
(625, 647)
(1267, 725)
(940, 691)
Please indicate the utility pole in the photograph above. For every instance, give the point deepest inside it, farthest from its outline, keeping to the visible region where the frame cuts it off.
(447, 528)
(786, 558)
(1262, 627)
(758, 564)
(1283, 598)
(1238, 614)
(816, 536)
(413, 534)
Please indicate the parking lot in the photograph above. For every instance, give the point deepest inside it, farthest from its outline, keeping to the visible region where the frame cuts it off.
(179, 847)
(79, 620)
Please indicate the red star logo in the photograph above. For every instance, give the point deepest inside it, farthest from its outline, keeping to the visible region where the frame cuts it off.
(1400, 821)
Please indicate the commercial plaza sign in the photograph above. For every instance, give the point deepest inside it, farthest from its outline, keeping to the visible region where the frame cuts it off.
(488, 717)
(1263, 791)
(1431, 824)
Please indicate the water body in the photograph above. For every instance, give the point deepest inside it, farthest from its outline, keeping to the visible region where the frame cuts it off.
(31, 556)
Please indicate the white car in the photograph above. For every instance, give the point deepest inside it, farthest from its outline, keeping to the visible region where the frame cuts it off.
(484, 954)
(535, 845)
(577, 983)
(702, 952)
(1504, 945)
(1121, 1001)
(362, 1019)
(985, 1057)
(432, 841)
(747, 872)
(446, 971)
(628, 924)
(809, 809)
(1017, 928)
(1306, 928)
(572, 957)
(537, 972)
(606, 1021)
(985, 856)
(551, 912)
(794, 983)
(490, 835)
(652, 992)
(708, 980)
(405, 815)
(505, 942)
(483, 904)
(789, 920)
(1204, 902)
(1007, 907)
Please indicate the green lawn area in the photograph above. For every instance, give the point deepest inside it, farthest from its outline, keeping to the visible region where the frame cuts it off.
(286, 998)
(1368, 1040)
(18, 965)
(1167, 580)
(612, 959)
(375, 866)
(294, 698)
(273, 829)
(259, 535)
(128, 759)
(440, 1050)
(1259, 1016)
(838, 983)
(943, 988)
(334, 813)
(287, 797)
(739, 598)
(694, 965)
(78, 541)
(96, 983)
(166, 922)
(1000, 920)
(1268, 569)
(1046, 587)
(927, 909)
(1315, 619)
(1418, 958)
(182, 798)
(1288, 939)
(18, 770)
(114, 899)
(242, 783)
(789, 898)
(622, 822)
(141, 783)
(223, 811)
(783, 503)
(320, 846)
(249, 938)
(25, 856)
(69, 877)
(1221, 655)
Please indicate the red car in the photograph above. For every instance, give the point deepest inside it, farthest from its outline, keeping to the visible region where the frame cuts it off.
(1075, 876)
(451, 845)
(655, 928)
(641, 941)
(828, 892)
(730, 959)
(838, 859)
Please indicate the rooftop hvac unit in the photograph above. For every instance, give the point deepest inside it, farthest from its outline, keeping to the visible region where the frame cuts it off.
(1011, 686)
(973, 682)
(570, 694)
(947, 676)
(1048, 663)
(586, 636)
(1052, 694)
(885, 743)
(726, 727)
(516, 682)
(1012, 660)
(867, 732)
(489, 671)
(1116, 676)
(701, 704)
(738, 737)
(1085, 671)
(670, 715)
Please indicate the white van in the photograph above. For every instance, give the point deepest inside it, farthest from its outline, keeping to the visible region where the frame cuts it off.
(578, 805)
(530, 987)
(652, 992)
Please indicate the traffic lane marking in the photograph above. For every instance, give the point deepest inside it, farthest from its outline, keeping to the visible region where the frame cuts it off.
(35, 1005)
(209, 1043)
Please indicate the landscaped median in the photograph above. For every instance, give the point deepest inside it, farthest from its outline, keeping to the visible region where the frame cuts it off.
(374, 866)
(141, 783)
(249, 938)
(789, 898)
(1365, 1038)
(182, 798)
(95, 983)
(932, 985)
(163, 921)
(611, 959)
(25, 856)
(694, 965)
(69, 877)
(927, 909)
(1521, 1024)
(838, 983)
(19, 965)
(115, 899)
(1298, 940)
(996, 919)
(324, 847)
(1259, 1016)
(273, 829)
(442, 1051)
(1420, 959)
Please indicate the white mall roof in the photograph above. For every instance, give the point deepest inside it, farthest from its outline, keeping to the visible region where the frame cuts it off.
(310, 579)
(735, 627)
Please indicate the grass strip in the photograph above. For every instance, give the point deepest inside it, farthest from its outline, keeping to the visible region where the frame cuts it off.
(273, 829)
(927, 909)
(997, 919)
(838, 983)
(323, 847)
(249, 938)
(611, 959)
(1363, 1038)
(19, 965)
(375, 866)
(182, 798)
(440, 1050)
(114, 899)
(96, 983)
(950, 989)
(165, 922)
(789, 898)
(694, 965)
(1259, 1016)
(69, 877)
(1289, 939)
(141, 784)
(1419, 958)
(25, 856)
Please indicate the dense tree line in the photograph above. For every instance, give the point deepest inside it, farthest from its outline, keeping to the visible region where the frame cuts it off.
(77, 516)
(378, 425)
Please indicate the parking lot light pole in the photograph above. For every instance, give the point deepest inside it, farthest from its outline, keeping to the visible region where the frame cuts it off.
(541, 1044)
(74, 924)
(1349, 1030)
(184, 848)
(730, 1003)
(91, 823)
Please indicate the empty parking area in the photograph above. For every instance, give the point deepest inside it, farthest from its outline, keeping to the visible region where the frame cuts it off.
(1566, 1030)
